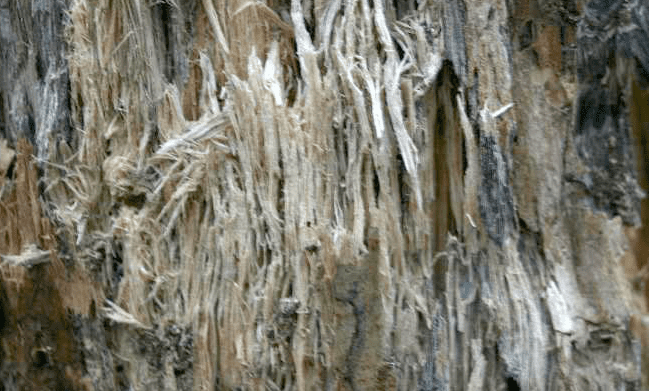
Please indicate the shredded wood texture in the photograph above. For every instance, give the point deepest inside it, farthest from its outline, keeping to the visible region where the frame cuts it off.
(259, 176)
(335, 195)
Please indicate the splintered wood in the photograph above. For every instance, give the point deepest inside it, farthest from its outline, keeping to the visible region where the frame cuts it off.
(262, 196)
(292, 191)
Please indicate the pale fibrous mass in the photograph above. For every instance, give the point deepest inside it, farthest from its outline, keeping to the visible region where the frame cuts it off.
(324, 195)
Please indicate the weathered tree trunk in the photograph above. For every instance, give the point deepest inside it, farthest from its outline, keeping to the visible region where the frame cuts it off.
(338, 195)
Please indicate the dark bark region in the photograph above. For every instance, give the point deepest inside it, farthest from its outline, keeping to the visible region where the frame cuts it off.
(34, 83)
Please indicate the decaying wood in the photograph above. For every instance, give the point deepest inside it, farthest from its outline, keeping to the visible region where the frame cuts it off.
(339, 195)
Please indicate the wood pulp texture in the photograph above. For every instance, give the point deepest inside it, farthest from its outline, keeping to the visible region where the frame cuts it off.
(337, 195)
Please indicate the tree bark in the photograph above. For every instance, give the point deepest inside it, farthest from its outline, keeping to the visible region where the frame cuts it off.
(298, 195)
